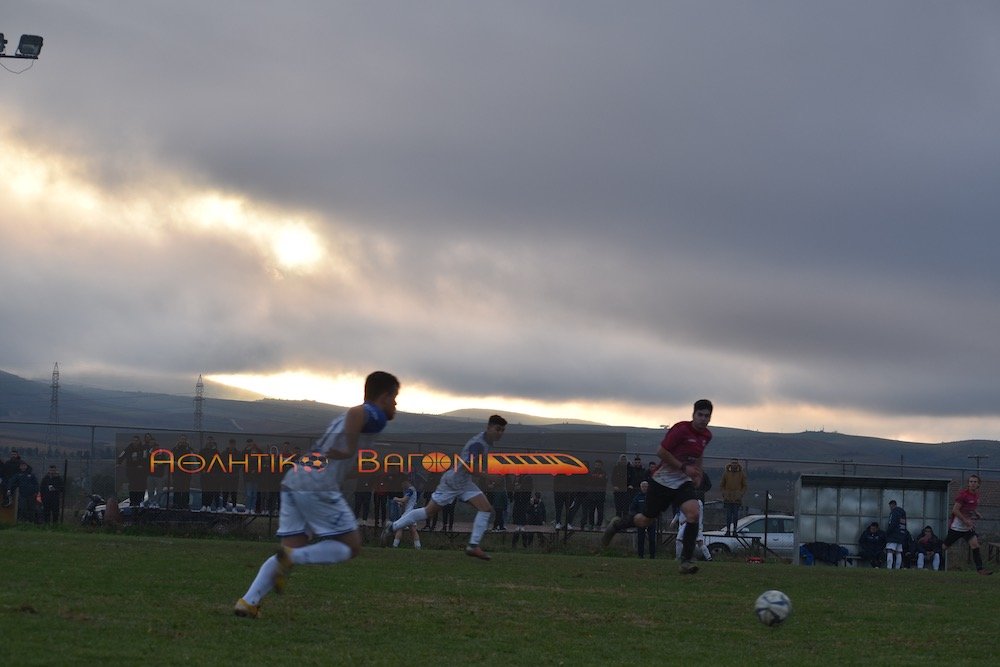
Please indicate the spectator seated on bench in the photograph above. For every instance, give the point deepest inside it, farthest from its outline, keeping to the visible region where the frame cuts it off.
(872, 545)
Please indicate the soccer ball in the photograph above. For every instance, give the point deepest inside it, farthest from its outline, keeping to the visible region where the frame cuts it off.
(772, 607)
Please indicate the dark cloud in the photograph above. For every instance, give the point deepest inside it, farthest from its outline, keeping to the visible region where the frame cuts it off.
(765, 202)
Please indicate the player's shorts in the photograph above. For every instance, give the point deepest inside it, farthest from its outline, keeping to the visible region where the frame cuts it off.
(451, 488)
(894, 546)
(956, 535)
(316, 513)
(659, 498)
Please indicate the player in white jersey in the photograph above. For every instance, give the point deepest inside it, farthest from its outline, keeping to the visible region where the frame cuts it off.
(407, 502)
(312, 505)
(680, 520)
(457, 483)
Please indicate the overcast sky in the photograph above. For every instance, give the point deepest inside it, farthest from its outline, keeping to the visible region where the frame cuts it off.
(583, 209)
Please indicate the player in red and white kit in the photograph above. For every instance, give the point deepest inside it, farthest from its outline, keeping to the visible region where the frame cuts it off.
(963, 521)
(675, 481)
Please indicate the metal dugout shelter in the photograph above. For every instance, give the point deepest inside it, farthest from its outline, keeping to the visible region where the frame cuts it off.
(836, 508)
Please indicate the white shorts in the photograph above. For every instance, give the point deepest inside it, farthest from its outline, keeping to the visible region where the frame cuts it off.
(448, 490)
(893, 546)
(315, 513)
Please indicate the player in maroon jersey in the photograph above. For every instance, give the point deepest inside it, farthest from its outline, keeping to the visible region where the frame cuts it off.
(963, 521)
(675, 481)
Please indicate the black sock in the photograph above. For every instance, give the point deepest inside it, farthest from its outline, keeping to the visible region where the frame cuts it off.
(977, 558)
(687, 546)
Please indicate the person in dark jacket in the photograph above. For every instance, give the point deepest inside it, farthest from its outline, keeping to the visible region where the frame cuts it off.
(872, 545)
(8, 471)
(25, 485)
(53, 488)
(648, 533)
(896, 537)
(929, 544)
(136, 462)
(535, 516)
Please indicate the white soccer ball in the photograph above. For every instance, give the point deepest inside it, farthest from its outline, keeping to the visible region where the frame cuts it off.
(772, 607)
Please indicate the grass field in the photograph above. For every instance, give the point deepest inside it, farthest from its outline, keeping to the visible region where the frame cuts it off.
(71, 597)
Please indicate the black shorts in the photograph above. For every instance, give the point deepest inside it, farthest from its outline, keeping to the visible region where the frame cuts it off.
(956, 535)
(659, 498)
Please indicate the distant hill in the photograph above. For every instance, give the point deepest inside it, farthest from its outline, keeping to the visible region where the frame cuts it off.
(29, 401)
(481, 415)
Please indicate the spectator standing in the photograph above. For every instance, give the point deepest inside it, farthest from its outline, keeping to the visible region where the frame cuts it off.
(562, 499)
(210, 493)
(620, 485)
(520, 495)
(896, 536)
(10, 469)
(230, 477)
(598, 495)
(180, 480)
(872, 545)
(136, 464)
(25, 485)
(433, 479)
(646, 533)
(448, 516)
(52, 489)
(381, 496)
(497, 490)
(155, 477)
(256, 464)
(733, 486)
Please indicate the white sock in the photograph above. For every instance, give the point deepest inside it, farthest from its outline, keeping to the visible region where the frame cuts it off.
(479, 525)
(936, 563)
(416, 544)
(324, 552)
(395, 542)
(920, 561)
(888, 560)
(410, 518)
(262, 585)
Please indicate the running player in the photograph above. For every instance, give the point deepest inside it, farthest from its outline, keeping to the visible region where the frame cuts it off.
(312, 505)
(963, 521)
(407, 502)
(675, 481)
(457, 483)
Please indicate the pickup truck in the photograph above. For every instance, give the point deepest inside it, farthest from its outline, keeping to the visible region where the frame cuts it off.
(780, 535)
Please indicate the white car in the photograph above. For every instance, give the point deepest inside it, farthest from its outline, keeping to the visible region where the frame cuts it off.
(750, 534)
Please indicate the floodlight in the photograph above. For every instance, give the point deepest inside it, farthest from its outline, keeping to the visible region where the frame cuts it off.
(29, 46)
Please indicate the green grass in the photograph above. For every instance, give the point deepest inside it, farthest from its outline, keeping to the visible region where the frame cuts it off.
(71, 597)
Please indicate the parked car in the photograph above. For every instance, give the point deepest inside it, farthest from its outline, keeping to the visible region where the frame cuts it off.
(750, 531)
